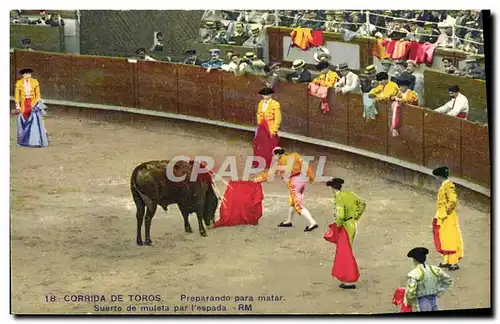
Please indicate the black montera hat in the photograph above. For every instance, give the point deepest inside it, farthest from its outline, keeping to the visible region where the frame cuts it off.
(382, 76)
(419, 254)
(335, 183)
(278, 150)
(266, 91)
(443, 172)
(453, 88)
(24, 71)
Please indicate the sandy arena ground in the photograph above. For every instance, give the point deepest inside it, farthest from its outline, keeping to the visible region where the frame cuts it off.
(73, 233)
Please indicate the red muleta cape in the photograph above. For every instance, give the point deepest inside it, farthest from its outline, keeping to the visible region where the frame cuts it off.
(345, 267)
(264, 143)
(242, 204)
(398, 299)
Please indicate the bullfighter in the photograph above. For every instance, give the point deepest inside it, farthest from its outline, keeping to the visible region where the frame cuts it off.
(268, 124)
(296, 185)
(445, 225)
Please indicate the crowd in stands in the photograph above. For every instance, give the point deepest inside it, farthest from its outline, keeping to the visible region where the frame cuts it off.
(45, 19)
(458, 29)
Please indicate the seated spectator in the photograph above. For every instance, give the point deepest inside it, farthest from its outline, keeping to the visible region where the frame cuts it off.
(385, 89)
(54, 20)
(27, 44)
(405, 94)
(328, 78)
(256, 39)
(472, 70)
(215, 63)
(397, 68)
(220, 37)
(446, 38)
(300, 73)
(245, 66)
(431, 33)
(447, 66)
(158, 43)
(191, 58)
(239, 36)
(331, 25)
(458, 106)
(15, 16)
(273, 76)
(233, 64)
(209, 33)
(309, 21)
(386, 65)
(141, 55)
(368, 79)
(43, 18)
(349, 82)
(418, 81)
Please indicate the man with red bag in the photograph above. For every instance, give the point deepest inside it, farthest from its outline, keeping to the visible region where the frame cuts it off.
(348, 209)
(268, 124)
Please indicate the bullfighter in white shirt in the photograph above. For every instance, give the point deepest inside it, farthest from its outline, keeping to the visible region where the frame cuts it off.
(349, 82)
(458, 106)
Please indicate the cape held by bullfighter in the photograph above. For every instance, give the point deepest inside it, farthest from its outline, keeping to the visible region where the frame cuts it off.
(151, 187)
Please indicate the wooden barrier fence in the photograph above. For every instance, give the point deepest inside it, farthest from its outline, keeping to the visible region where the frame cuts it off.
(426, 138)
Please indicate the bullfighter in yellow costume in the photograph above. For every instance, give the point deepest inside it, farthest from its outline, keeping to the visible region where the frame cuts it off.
(30, 110)
(296, 181)
(446, 227)
(268, 125)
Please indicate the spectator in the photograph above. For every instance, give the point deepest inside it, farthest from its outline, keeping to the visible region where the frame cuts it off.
(300, 73)
(209, 33)
(27, 44)
(141, 55)
(330, 25)
(418, 84)
(447, 66)
(215, 63)
(54, 20)
(349, 82)
(458, 106)
(255, 39)
(327, 78)
(446, 38)
(405, 94)
(43, 18)
(431, 34)
(233, 64)
(397, 68)
(220, 37)
(368, 82)
(472, 70)
(386, 65)
(158, 42)
(191, 58)
(239, 36)
(229, 54)
(15, 16)
(385, 89)
(273, 75)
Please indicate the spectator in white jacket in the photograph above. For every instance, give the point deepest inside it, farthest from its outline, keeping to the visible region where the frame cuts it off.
(349, 82)
(458, 106)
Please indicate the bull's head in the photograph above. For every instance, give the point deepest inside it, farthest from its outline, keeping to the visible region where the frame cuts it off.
(211, 203)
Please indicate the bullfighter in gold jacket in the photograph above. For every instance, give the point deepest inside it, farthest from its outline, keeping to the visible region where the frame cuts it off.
(268, 125)
(30, 109)
(445, 225)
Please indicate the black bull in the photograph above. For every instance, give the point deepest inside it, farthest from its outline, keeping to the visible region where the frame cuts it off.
(150, 187)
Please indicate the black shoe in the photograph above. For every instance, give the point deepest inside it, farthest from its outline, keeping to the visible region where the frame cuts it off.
(344, 286)
(309, 229)
(283, 224)
(444, 265)
(453, 267)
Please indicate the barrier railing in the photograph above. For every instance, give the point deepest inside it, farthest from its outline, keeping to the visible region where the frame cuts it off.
(426, 138)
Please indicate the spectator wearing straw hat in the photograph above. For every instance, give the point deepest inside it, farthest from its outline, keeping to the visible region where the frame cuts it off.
(209, 33)
(368, 82)
(349, 82)
(255, 39)
(300, 73)
(458, 106)
(418, 85)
